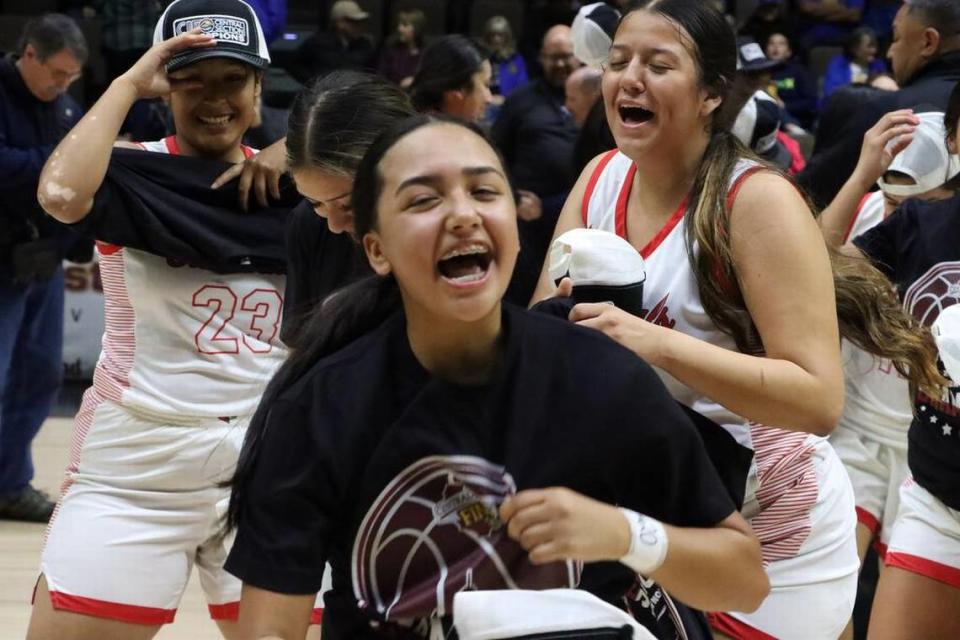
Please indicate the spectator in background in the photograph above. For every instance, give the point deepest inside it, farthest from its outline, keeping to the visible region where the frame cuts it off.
(126, 30)
(858, 63)
(757, 126)
(401, 53)
(347, 45)
(536, 135)
(828, 22)
(925, 58)
(582, 90)
(35, 113)
(795, 87)
(879, 16)
(770, 16)
(272, 15)
(506, 63)
(453, 78)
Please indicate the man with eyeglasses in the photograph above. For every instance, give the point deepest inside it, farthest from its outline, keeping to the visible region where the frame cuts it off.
(537, 134)
(925, 58)
(35, 113)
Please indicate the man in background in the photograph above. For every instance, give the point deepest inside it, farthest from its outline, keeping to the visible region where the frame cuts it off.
(35, 113)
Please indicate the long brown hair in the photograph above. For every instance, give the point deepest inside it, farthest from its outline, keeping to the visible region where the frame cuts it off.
(868, 312)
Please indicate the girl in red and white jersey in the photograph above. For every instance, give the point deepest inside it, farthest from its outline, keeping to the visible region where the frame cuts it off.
(905, 154)
(741, 319)
(186, 354)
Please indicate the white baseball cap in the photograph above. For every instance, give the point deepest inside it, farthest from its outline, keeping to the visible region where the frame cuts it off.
(758, 126)
(519, 613)
(926, 159)
(946, 333)
(592, 33)
(603, 267)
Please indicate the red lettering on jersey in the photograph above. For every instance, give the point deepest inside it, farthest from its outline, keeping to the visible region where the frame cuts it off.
(660, 314)
(264, 306)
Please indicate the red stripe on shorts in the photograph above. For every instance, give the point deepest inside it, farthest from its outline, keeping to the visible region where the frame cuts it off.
(736, 629)
(111, 610)
(226, 611)
(868, 520)
(927, 568)
(317, 616)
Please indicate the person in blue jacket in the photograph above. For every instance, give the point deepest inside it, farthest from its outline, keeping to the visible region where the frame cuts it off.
(858, 63)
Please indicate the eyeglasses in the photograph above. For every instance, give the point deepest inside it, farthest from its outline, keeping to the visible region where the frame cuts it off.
(61, 76)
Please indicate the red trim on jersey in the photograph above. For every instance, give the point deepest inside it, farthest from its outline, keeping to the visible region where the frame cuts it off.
(620, 227)
(735, 189)
(226, 611)
(926, 568)
(592, 183)
(881, 550)
(736, 629)
(111, 610)
(174, 149)
(317, 616)
(853, 220)
(869, 520)
(621, 215)
(107, 249)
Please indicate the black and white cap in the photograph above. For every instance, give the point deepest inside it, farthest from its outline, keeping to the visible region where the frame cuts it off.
(602, 266)
(592, 33)
(758, 125)
(232, 22)
(751, 58)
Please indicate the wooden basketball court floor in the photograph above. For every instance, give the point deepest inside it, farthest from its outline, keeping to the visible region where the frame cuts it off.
(20, 546)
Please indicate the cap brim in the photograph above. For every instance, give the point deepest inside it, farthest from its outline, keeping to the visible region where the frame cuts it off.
(186, 59)
(358, 17)
(762, 66)
(779, 155)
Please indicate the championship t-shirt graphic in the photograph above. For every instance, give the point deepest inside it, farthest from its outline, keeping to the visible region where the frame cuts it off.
(435, 530)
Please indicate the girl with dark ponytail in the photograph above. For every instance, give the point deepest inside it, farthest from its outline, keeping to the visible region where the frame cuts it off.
(453, 78)
(427, 440)
(743, 301)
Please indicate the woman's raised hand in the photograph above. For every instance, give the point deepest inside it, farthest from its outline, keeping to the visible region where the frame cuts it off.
(260, 172)
(148, 75)
(875, 156)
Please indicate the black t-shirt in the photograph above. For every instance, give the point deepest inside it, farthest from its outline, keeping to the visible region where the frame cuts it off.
(369, 462)
(163, 204)
(918, 247)
(318, 263)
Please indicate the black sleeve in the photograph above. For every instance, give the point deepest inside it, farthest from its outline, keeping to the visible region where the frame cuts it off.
(881, 243)
(164, 205)
(283, 535)
(663, 469)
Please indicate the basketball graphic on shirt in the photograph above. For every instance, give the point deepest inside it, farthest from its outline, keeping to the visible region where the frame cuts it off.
(435, 530)
(936, 290)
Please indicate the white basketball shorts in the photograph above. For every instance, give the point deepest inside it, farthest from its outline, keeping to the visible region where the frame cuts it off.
(140, 506)
(821, 575)
(926, 536)
(876, 472)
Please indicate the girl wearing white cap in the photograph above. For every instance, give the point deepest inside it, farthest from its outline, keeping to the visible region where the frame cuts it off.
(906, 154)
(918, 595)
(186, 350)
(742, 322)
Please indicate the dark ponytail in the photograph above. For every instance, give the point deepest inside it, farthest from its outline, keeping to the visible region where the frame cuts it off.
(447, 64)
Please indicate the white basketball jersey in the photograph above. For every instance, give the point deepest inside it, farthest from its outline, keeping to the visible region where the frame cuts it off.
(877, 403)
(671, 299)
(185, 342)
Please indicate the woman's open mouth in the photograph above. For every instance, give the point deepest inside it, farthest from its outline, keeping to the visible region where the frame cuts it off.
(631, 115)
(465, 265)
(215, 121)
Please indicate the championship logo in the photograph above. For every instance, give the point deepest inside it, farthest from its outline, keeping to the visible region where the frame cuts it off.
(435, 530)
(223, 28)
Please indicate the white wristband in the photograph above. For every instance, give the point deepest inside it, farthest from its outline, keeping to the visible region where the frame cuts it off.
(648, 543)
